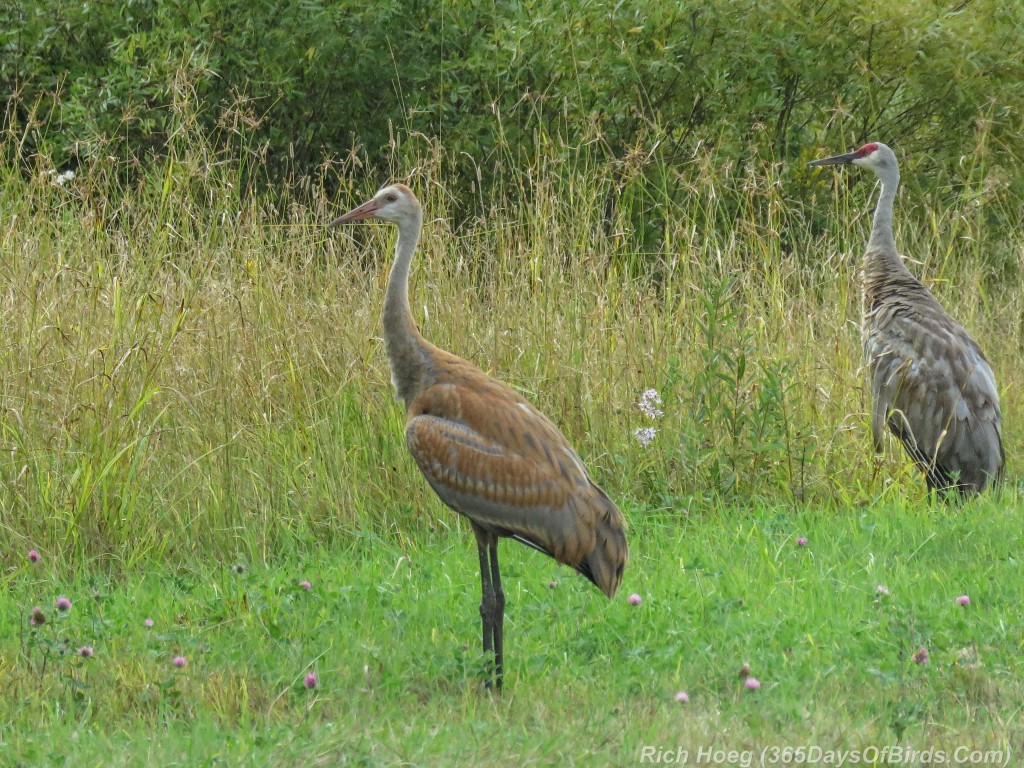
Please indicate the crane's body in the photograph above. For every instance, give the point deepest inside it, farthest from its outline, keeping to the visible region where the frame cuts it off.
(485, 450)
(931, 385)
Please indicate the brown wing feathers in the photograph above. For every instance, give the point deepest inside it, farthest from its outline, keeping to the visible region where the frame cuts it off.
(494, 458)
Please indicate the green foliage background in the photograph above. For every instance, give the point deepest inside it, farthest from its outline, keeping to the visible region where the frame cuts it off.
(295, 83)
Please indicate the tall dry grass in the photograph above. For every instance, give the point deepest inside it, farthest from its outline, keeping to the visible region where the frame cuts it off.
(190, 367)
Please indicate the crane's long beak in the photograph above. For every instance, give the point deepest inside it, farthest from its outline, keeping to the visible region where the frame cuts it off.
(849, 157)
(365, 211)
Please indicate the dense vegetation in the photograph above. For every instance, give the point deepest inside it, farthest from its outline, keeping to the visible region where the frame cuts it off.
(498, 84)
(180, 355)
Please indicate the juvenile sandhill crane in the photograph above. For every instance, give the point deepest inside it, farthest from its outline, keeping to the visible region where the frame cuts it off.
(488, 453)
(930, 383)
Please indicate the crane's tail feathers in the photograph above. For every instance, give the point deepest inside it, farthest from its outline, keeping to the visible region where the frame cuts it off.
(936, 476)
(605, 565)
(979, 454)
(584, 570)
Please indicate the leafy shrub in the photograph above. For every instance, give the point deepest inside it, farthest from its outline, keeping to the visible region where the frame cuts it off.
(652, 80)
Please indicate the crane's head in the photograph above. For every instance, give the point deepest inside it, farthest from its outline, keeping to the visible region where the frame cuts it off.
(876, 156)
(394, 203)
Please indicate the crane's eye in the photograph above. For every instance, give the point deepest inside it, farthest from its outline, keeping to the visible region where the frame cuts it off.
(392, 197)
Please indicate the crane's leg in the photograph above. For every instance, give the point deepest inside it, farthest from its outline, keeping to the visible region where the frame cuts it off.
(487, 599)
(498, 620)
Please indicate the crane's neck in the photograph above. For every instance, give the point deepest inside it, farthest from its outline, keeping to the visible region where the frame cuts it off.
(882, 262)
(406, 348)
(881, 230)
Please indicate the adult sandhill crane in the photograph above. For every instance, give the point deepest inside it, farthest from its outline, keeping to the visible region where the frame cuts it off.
(930, 383)
(488, 453)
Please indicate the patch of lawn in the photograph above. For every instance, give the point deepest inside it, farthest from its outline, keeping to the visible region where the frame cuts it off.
(393, 637)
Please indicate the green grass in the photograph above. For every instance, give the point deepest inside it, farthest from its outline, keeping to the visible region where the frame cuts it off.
(393, 635)
(193, 378)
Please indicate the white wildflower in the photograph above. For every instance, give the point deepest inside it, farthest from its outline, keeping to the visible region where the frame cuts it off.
(650, 404)
(645, 434)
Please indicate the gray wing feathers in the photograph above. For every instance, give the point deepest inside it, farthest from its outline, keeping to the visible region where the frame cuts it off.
(937, 394)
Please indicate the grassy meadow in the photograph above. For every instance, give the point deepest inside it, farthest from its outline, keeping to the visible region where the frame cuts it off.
(197, 417)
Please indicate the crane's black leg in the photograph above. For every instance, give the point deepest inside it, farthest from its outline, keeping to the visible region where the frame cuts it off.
(487, 601)
(498, 619)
